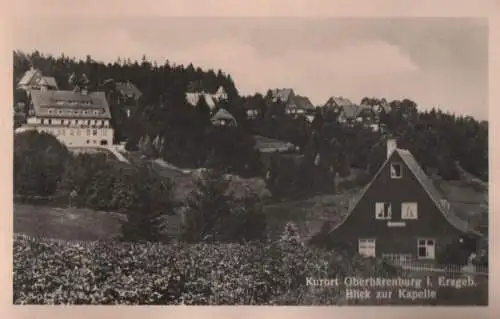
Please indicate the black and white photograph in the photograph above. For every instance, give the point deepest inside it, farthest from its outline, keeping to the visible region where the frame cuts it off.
(285, 161)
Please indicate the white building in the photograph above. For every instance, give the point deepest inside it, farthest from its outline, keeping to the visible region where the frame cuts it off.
(220, 94)
(211, 99)
(76, 118)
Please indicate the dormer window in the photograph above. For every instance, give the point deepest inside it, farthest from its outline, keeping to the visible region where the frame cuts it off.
(396, 170)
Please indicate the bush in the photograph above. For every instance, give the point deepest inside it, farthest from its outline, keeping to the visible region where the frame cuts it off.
(57, 272)
(39, 161)
(215, 214)
(151, 199)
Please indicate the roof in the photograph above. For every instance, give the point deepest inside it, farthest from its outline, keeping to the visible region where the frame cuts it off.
(353, 111)
(431, 190)
(303, 102)
(193, 98)
(48, 103)
(28, 76)
(350, 111)
(48, 81)
(128, 89)
(222, 114)
(424, 181)
(339, 101)
(282, 94)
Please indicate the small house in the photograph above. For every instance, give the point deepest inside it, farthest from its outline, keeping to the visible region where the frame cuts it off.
(400, 215)
(223, 118)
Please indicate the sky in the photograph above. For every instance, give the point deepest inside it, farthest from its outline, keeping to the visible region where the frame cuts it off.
(437, 62)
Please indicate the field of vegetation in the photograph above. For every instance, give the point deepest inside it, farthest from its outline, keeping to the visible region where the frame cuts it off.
(64, 272)
(110, 272)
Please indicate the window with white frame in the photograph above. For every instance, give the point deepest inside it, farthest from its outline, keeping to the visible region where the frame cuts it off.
(366, 247)
(409, 210)
(383, 211)
(426, 248)
(396, 170)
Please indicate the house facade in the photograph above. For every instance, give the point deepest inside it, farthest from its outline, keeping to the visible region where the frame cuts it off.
(193, 97)
(76, 118)
(220, 94)
(400, 215)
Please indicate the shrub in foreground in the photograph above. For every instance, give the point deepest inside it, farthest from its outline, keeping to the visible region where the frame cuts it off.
(54, 272)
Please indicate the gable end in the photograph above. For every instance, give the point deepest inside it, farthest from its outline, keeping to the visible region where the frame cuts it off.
(410, 167)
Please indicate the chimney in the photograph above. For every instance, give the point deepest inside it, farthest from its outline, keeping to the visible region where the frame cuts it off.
(391, 146)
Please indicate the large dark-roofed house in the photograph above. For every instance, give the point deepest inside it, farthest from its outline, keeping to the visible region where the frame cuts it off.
(400, 215)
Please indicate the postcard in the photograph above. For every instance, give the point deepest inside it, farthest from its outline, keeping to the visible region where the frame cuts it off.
(251, 161)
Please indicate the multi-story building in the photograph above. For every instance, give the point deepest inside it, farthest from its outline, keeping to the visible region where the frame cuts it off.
(76, 118)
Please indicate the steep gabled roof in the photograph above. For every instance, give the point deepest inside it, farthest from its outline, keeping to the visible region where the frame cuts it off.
(426, 184)
(303, 102)
(431, 190)
(47, 81)
(339, 101)
(28, 76)
(223, 114)
(350, 111)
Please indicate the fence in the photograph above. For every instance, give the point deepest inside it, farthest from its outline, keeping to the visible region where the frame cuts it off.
(34, 239)
(455, 269)
(412, 265)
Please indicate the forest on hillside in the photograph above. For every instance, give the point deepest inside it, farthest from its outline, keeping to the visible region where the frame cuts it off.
(165, 126)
